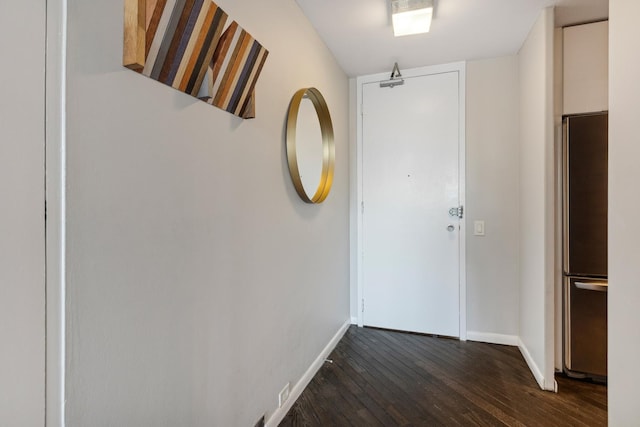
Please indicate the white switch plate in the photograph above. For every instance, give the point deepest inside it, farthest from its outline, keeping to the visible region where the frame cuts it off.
(478, 228)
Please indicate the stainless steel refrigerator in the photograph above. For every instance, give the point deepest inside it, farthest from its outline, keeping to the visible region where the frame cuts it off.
(585, 185)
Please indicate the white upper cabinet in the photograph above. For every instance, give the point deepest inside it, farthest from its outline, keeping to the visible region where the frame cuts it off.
(586, 71)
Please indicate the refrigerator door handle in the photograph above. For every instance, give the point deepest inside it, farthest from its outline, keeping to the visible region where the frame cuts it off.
(592, 286)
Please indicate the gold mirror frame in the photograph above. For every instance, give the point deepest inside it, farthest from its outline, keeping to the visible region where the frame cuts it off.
(328, 146)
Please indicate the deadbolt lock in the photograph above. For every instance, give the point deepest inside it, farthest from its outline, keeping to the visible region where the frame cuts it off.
(457, 211)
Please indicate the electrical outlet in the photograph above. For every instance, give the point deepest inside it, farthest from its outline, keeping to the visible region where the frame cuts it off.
(283, 395)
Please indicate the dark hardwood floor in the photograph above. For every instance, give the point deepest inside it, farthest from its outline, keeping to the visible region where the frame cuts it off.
(385, 378)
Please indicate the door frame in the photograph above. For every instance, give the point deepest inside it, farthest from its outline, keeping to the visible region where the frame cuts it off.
(460, 68)
(55, 222)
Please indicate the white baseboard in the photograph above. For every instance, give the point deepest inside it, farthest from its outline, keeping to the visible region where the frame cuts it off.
(537, 373)
(354, 320)
(299, 387)
(492, 338)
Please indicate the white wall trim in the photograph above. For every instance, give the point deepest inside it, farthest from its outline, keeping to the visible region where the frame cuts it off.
(353, 207)
(462, 189)
(492, 338)
(537, 373)
(535, 370)
(306, 378)
(55, 231)
(459, 67)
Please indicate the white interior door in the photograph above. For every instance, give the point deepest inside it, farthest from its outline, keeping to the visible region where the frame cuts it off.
(410, 180)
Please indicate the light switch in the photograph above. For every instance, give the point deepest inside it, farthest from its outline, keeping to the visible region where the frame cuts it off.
(478, 228)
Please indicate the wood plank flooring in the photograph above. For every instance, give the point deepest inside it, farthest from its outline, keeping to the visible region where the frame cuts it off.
(386, 378)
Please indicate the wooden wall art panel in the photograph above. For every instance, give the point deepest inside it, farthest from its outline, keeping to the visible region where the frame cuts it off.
(190, 46)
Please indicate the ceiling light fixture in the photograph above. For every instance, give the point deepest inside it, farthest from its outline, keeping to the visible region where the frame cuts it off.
(411, 16)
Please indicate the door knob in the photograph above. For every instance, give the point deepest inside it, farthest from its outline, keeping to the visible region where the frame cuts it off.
(451, 227)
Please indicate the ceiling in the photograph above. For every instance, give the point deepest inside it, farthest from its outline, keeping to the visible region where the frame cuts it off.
(359, 32)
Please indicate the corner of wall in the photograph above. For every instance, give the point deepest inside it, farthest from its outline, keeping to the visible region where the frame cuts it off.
(624, 228)
(537, 240)
(55, 157)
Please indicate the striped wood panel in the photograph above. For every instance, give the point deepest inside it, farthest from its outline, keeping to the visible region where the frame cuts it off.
(235, 69)
(134, 35)
(183, 42)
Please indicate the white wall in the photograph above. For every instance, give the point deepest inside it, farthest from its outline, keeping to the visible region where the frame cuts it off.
(492, 196)
(198, 284)
(22, 283)
(624, 204)
(537, 199)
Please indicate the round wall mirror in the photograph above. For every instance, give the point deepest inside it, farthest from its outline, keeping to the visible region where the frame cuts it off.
(310, 146)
